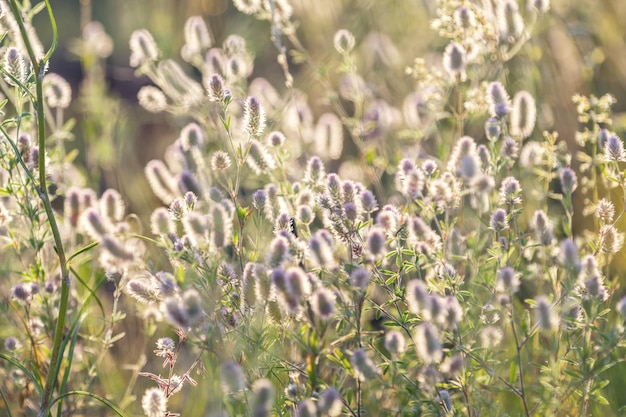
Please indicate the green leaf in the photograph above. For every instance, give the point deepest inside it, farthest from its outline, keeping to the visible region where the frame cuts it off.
(340, 360)
(116, 338)
(390, 279)
(600, 399)
(104, 401)
(243, 213)
(513, 372)
(15, 362)
(69, 125)
(36, 9)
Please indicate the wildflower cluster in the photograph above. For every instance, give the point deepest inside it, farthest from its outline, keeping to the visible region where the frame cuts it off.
(307, 262)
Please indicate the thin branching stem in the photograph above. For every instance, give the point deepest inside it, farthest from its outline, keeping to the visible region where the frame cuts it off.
(520, 365)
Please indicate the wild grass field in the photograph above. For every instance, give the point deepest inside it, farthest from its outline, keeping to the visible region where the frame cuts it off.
(312, 208)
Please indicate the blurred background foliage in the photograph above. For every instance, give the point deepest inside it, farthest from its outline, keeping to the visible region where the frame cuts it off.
(580, 47)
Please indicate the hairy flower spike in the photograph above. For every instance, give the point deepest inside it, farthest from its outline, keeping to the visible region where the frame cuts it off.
(161, 181)
(233, 379)
(569, 255)
(176, 313)
(220, 161)
(306, 408)
(605, 211)
(376, 242)
(248, 287)
(330, 403)
(507, 280)
(314, 173)
(21, 292)
(298, 285)
(344, 41)
(192, 136)
(417, 297)
(142, 290)
(464, 17)
(190, 199)
(611, 240)
(490, 337)
(493, 129)
(259, 159)
(95, 226)
(368, 201)
(455, 60)
(498, 98)
(15, 65)
(364, 368)
(276, 139)
(446, 402)
(152, 99)
(531, 155)
(305, 214)
(278, 252)
(274, 311)
(510, 21)
(114, 247)
(323, 303)
(143, 48)
(395, 342)
(264, 394)
(542, 227)
(523, 114)
(259, 199)
(360, 277)
(154, 402)
(88, 198)
(216, 88)
(510, 191)
(428, 344)
(196, 227)
(71, 207)
(197, 38)
(254, 117)
(464, 159)
(112, 205)
(321, 250)
(96, 41)
(453, 312)
(544, 314)
(614, 149)
(429, 167)
(334, 189)
(57, 91)
(569, 182)
(510, 148)
(221, 227)
(595, 289)
(177, 209)
(12, 344)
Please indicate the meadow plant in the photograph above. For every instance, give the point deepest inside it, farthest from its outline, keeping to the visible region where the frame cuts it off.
(374, 255)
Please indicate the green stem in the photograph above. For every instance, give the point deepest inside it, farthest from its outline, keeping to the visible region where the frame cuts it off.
(519, 346)
(38, 64)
